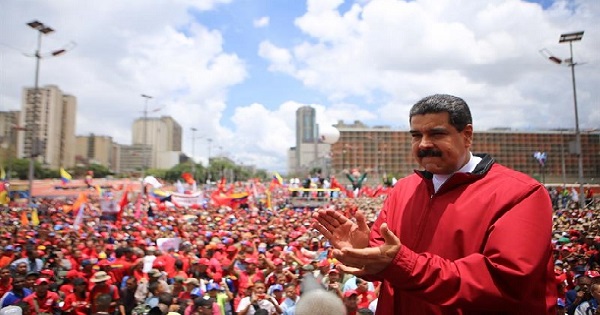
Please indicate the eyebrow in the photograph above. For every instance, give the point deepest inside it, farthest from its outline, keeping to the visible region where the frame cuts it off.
(434, 129)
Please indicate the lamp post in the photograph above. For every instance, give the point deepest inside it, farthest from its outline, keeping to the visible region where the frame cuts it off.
(570, 38)
(193, 152)
(209, 140)
(34, 148)
(144, 136)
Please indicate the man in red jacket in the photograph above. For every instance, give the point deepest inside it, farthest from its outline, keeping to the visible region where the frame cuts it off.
(464, 235)
(42, 301)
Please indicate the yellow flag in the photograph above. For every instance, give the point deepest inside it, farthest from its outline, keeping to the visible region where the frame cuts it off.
(35, 221)
(2, 173)
(4, 200)
(65, 176)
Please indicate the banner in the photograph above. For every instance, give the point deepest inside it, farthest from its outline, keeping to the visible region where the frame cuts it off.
(187, 200)
(165, 244)
(109, 209)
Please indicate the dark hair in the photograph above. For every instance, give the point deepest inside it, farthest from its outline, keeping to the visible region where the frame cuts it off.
(456, 107)
(178, 264)
(153, 286)
(165, 298)
(78, 281)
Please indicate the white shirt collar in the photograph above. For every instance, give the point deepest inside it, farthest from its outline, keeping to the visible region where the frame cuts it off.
(439, 179)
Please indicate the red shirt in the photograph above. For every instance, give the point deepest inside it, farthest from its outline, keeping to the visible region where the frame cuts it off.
(365, 298)
(5, 286)
(120, 268)
(47, 304)
(5, 259)
(76, 305)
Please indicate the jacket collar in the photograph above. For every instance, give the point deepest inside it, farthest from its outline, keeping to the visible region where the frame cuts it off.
(480, 170)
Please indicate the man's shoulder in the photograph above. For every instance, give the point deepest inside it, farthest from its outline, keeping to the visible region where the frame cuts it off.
(508, 174)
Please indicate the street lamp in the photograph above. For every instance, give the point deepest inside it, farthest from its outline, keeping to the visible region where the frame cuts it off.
(193, 152)
(144, 153)
(570, 38)
(209, 140)
(34, 148)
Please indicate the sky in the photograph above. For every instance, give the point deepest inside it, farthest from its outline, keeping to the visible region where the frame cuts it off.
(237, 70)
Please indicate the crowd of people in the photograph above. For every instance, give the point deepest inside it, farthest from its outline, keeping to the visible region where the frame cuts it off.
(225, 260)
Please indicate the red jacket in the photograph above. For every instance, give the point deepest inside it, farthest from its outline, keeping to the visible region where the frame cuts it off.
(480, 245)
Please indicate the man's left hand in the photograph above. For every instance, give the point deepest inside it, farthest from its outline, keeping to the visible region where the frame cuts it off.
(370, 260)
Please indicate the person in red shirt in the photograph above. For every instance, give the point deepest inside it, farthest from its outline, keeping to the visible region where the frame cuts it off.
(179, 271)
(250, 275)
(42, 301)
(5, 281)
(101, 287)
(8, 256)
(121, 267)
(76, 302)
(351, 302)
(365, 297)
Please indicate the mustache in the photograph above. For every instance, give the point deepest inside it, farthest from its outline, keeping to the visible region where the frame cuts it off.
(429, 152)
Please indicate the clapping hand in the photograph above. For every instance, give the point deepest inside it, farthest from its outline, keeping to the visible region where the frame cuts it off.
(341, 231)
(350, 241)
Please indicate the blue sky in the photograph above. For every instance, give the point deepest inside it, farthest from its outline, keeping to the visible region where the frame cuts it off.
(237, 70)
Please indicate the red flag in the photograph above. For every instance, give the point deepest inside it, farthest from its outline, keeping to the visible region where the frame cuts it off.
(122, 204)
(188, 178)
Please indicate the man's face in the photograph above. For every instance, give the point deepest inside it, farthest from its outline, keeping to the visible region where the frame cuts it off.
(584, 283)
(437, 146)
(41, 289)
(131, 284)
(362, 286)
(290, 292)
(22, 268)
(18, 283)
(4, 273)
(259, 288)
(351, 302)
(595, 291)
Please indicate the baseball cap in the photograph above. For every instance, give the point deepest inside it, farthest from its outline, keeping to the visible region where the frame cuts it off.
(39, 281)
(196, 292)
(350, 293)
(212, 286)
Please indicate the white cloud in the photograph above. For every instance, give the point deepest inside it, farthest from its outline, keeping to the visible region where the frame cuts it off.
(261, 22)
(392, 53)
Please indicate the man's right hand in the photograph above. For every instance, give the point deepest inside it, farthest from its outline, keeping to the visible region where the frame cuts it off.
(341, 231)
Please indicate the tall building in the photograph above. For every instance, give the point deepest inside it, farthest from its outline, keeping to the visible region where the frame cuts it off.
(51, 116)
(164, 137)
(387, 151)
(308, 153)
(9, 127)
(95, 149)
(132, 157)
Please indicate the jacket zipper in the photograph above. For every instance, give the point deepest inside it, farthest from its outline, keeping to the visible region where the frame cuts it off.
(421, 226)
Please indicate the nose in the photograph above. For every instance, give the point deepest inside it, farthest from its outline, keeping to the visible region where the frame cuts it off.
(425, 142)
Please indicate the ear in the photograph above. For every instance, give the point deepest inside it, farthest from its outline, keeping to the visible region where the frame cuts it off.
(468, 135)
